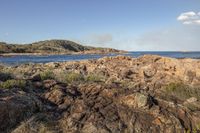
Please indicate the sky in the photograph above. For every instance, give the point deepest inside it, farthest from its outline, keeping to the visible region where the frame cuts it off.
(134, 25)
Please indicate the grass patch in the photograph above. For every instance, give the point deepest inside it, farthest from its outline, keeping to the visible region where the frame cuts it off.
(9, 84)
(47, 75)
(182, 91)
(37, 124)
(73, 77)
(94, 78)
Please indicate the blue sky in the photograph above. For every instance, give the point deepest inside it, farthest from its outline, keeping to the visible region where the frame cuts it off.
(122, 24)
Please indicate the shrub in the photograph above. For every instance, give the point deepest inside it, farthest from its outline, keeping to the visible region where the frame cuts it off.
(13, 84)
(94, 78)
(72, 77)
(61, 76)
(68, 77)
(182, 91)
(47, 75)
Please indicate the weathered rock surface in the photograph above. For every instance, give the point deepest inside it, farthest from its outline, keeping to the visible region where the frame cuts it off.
(113, 94)
(16, 107)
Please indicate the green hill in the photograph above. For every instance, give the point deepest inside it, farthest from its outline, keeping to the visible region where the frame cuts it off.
(51, 47)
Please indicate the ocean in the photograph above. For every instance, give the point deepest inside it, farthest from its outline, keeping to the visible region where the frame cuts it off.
(20, 59)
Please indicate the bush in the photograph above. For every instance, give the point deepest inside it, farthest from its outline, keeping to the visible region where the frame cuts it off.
(60, 76)
(72, 77)
(94, 78)
(68, 77)
(182, 91)
(47, 75)
(13, 84)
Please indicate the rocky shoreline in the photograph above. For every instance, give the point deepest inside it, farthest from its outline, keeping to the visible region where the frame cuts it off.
(70, 53)
(113, 94)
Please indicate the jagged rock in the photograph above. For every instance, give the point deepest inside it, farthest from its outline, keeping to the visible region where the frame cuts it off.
(56, 95)
(36, 77)
(136, 100)
(145, 94)
(49, 83)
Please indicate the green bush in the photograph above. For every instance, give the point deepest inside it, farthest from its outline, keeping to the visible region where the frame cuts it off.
(182, 91)
(94, 78)
(47, 75)
(72, 77)
(68, 77)
(13, 84)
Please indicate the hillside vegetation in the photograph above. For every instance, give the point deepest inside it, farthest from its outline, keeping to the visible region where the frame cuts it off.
(51, 46)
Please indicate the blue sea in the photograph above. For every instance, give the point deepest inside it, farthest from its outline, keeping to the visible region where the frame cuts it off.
(20, 59)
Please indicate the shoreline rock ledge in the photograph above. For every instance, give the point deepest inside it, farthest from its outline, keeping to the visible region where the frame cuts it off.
(148, 94)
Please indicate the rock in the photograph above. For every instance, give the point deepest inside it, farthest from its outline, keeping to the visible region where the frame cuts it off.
(55, 96)
(38, 84)
(191, 100)
(53, 65)
(142, 100)
(121, 57)
(36, 77)
(126, 73)
(136, 100)
(149, 71)
(5, 76)
(49, 83)
(144, 94)
(91, 128)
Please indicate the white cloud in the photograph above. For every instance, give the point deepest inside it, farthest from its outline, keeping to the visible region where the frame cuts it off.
(189, 18)
(186, 16)
(197, 22)
(182, 38)
(187, 22)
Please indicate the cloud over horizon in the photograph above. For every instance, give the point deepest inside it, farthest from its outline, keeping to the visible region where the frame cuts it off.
(176, 38)
(189, 18)
(103, 39)
(172, 38)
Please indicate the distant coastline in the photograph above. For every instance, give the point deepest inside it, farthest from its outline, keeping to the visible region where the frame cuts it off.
(52, 47)
(73, 53)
